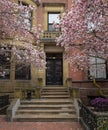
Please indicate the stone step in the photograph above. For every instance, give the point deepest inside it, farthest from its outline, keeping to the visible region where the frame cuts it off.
(66, 110)
(46, 117)
(52, 88)
(54, 93)
(55, 104)
(47, 101)
(47, 106)
(55, 89)
(55, 96)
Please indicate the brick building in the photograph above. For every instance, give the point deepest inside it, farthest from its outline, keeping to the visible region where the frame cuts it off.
(57, 71)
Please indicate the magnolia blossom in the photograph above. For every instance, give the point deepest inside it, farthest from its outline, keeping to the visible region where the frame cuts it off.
(85, 32)
(23, 40)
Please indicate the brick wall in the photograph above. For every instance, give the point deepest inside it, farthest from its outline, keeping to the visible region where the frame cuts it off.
(86, 88)
(40, 9)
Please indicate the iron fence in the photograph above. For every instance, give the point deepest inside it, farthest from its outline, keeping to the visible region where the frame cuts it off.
(4, 100)
(93, 120)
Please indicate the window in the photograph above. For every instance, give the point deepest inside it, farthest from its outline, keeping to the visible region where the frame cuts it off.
(5, 56)
(25, 16)
(53, 17)
(22, 72)
(98, 68)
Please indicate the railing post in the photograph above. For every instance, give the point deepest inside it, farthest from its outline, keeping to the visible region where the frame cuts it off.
(40, 82)
(18, 93)
(69, 82)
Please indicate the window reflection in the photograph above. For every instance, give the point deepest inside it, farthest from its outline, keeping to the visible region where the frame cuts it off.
(98, 68)
(53, 18)
(5, 56)
(22, 72)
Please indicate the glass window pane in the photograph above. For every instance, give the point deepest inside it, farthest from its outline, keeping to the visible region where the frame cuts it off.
(92, 70)
(92, 60)
(51, 28)
(25, 17)
(101, 71)
(99, 60)
(53, 17)
(97, 67)
(22, 72)
(5, 57)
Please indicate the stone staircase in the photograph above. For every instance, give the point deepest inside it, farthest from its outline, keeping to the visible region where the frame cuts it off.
(55, 104)
(55, 93)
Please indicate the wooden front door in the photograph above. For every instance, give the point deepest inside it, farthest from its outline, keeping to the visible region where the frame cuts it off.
(54, 70)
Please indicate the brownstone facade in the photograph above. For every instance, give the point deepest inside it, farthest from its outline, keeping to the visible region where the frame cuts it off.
(57, 71)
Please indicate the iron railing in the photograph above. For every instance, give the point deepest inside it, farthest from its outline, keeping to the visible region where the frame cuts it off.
(4, 100)
(50, 36)
(93, 120)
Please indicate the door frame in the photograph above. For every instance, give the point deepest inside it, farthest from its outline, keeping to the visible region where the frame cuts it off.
(53, 57)
(52, 48)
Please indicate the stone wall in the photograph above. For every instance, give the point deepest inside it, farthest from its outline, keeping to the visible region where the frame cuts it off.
(84, 89)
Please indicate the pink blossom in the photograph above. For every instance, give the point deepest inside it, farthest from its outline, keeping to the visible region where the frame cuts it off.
(13, 26)
(85, 32)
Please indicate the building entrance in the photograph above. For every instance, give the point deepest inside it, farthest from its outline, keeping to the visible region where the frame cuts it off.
(54, 70)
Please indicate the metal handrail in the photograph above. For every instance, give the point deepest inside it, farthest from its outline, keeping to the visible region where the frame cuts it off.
(93, 120)
(2, 108)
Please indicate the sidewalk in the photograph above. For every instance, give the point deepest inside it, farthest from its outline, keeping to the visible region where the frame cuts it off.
(4, 125)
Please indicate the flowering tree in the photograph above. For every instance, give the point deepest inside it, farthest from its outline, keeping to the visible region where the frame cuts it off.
(16, 35)
(85, 32)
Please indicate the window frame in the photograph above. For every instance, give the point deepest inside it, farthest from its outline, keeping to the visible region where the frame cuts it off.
(52, 23)
(97, 64)
(27, 77)
(25, 17)
(5, 67)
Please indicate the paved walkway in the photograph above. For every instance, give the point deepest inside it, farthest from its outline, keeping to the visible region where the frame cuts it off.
(4, 125)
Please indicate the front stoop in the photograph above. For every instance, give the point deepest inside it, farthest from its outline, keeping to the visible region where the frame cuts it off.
(55, 104)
